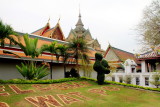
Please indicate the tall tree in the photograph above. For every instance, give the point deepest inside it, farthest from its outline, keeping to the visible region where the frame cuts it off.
(149, 27)
(5, 33)
(63, 51)
(79, 48)
(53, 50)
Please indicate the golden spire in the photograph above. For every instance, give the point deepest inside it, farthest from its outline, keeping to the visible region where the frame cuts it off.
(48, 22)
(59, 19)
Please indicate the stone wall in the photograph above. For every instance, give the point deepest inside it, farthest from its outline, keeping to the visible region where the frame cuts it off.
(8, 70)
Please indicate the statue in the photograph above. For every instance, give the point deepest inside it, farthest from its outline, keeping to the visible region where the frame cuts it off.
(101, 67)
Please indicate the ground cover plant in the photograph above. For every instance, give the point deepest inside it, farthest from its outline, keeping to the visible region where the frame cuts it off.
(75, 93)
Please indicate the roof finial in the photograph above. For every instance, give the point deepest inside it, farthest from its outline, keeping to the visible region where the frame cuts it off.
(59, 19)
(48, 19)
(79, 11)
(79, 23)
(48, 22)
(109, 44)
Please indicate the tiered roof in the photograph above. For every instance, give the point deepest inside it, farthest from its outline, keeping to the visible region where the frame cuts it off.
(54, 32)
(116, 57)
(45, 35)
(46, 56)
(121, 54)
(154, 54)
(80, 31)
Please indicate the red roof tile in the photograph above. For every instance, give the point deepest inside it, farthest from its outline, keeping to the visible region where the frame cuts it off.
(121, 54)
(150, 55)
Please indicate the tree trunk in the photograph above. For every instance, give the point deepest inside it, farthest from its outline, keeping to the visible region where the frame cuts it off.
(64, 65)
(51, 68)
(77, 61)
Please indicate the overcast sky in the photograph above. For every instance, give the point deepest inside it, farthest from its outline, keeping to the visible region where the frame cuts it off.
(110, 21)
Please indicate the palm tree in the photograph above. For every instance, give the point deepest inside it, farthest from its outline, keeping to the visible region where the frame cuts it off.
(63, 51)
(79, 48)
(52, 49)
(5, 33)
(30, 70)
(30, 47)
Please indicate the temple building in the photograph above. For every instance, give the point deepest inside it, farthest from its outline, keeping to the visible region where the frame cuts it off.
(47, 31)
(117, 57)
(45, 35)
(150, 62)
(139, 69)
(81, 32)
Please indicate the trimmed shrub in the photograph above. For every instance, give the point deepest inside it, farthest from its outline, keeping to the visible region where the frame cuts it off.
(100, 68)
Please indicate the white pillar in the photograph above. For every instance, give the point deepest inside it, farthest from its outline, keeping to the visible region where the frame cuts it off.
(116, 78)
(142, 81)
(143, 66)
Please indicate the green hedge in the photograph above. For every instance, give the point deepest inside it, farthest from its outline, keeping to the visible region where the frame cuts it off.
(124, 84)
(134, 86)
(22, 81)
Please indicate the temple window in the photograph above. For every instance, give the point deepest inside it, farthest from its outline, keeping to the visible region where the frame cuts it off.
(113, 78)
(120, 79)
(146, 81)
(137, 80)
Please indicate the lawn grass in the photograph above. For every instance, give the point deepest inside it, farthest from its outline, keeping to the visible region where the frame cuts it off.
(124, 97)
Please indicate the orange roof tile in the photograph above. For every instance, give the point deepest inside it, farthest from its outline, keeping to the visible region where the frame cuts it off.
(54, 32)
(42, 30)
(154, 54)
(121, 54)
(41, 41)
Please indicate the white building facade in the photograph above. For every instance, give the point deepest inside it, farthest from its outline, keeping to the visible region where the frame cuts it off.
(150, 62)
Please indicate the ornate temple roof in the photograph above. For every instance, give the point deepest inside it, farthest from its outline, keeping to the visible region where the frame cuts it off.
(79, 23)
(54, 32)
(154, 54)
(79, 26)
(121, 54)
(46, 56)
(42, 30)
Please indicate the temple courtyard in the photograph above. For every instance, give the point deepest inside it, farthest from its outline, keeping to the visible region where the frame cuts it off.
(75, 93)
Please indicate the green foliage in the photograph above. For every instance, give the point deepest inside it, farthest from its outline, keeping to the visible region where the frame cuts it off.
(78, 44)
(53, 50)
(98, 65)
(30, 47)
(50, 48)
(100, 68)
(5, 32)
(123, 84)
(98, 56)
(22, 81)
(134, 86)
(31, 72)
(79, 48)
(156, 78)
(105, 63)
(63, 51)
